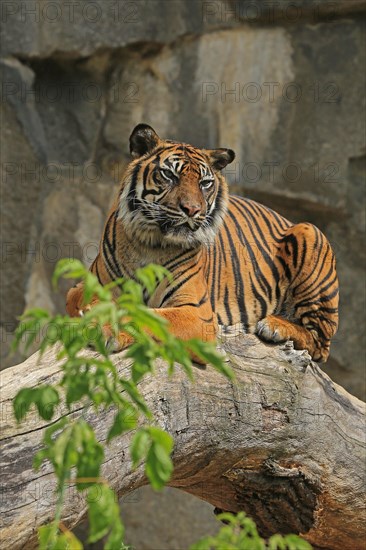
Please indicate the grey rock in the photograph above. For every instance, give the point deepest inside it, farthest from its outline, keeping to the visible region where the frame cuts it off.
(80, 28)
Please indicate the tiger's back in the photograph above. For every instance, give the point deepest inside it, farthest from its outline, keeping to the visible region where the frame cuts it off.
(262, 265)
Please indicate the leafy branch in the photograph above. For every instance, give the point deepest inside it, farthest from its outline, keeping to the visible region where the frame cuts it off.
(240, 533)
(71, 445)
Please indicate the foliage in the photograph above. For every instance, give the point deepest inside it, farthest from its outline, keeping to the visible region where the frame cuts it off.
(70, 444)
(240, 533)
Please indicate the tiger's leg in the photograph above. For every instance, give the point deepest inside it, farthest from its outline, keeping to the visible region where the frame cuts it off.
(188, 322)
(312, 293)
(185, 322)
(75, 308)
(74, 300)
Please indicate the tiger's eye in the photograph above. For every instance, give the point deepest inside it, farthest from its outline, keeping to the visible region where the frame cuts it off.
(167, 174)
(206, 184)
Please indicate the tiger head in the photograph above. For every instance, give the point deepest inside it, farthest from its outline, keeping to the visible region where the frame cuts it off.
(172, 193)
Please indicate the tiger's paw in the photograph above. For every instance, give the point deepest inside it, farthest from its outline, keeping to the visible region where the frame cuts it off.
(273, 329)
(114, 342)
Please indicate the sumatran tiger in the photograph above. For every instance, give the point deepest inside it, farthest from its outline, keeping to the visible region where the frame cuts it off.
(233, 261)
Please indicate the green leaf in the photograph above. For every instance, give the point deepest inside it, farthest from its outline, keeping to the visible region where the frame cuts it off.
(156, 445)
(240, 533)
(277, 542)
(161, 437)
(207, 351)
(39, 457)
(150, 276)
(29, 328)
(142, 360)
(47, 399)
(145, 319)
(294, 542)
(90, 454)
(103, 511)
(22, 402)
(206, 543)
(71, 446)
(45, 538)
(90, 287)
(64, 455)
(51, 430)
(125, 420)
(139, 446)
(35, 313)
(159, 466)
(135, 395)
(68, 268)
(61, 541)
(115, 539)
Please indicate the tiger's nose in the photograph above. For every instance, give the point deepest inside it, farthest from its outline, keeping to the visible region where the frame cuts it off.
(190, 210)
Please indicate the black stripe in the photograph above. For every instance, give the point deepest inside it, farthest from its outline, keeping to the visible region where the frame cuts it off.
(315, 263)
(114, 230)
(222, 248)
(321, 299)
(288, 273)
(132, 200)
(302, 259)
(108, 266)
(178, 286)
(219, 269)
(311, 290)
(178, 261)
(263, 213)
(206, 320)
(274, 271)
(112, 262)
(259, 298)
(246, 209)
(213, 282)
(227, 306)
(239, 283)
(97, 272)
(292, 239)
(202, 301)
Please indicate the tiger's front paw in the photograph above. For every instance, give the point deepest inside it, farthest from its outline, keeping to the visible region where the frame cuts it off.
(116, 342)
(273, 329)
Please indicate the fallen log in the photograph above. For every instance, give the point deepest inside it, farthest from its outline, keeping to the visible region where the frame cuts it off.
(285, 444)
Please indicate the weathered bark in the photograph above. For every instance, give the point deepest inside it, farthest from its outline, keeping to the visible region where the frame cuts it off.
(285, 444)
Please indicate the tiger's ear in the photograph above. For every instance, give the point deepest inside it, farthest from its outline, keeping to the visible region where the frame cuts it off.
(142, 140)
(219, 158)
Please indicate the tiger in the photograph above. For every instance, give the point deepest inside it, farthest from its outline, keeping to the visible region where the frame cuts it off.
(234, 261)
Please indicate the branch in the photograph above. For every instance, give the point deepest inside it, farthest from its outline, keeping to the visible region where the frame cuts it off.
(285, 444)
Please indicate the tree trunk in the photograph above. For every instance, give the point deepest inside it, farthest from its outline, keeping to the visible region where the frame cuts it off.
(285, 444)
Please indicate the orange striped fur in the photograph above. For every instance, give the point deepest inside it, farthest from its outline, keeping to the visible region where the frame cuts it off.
(233, 261)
